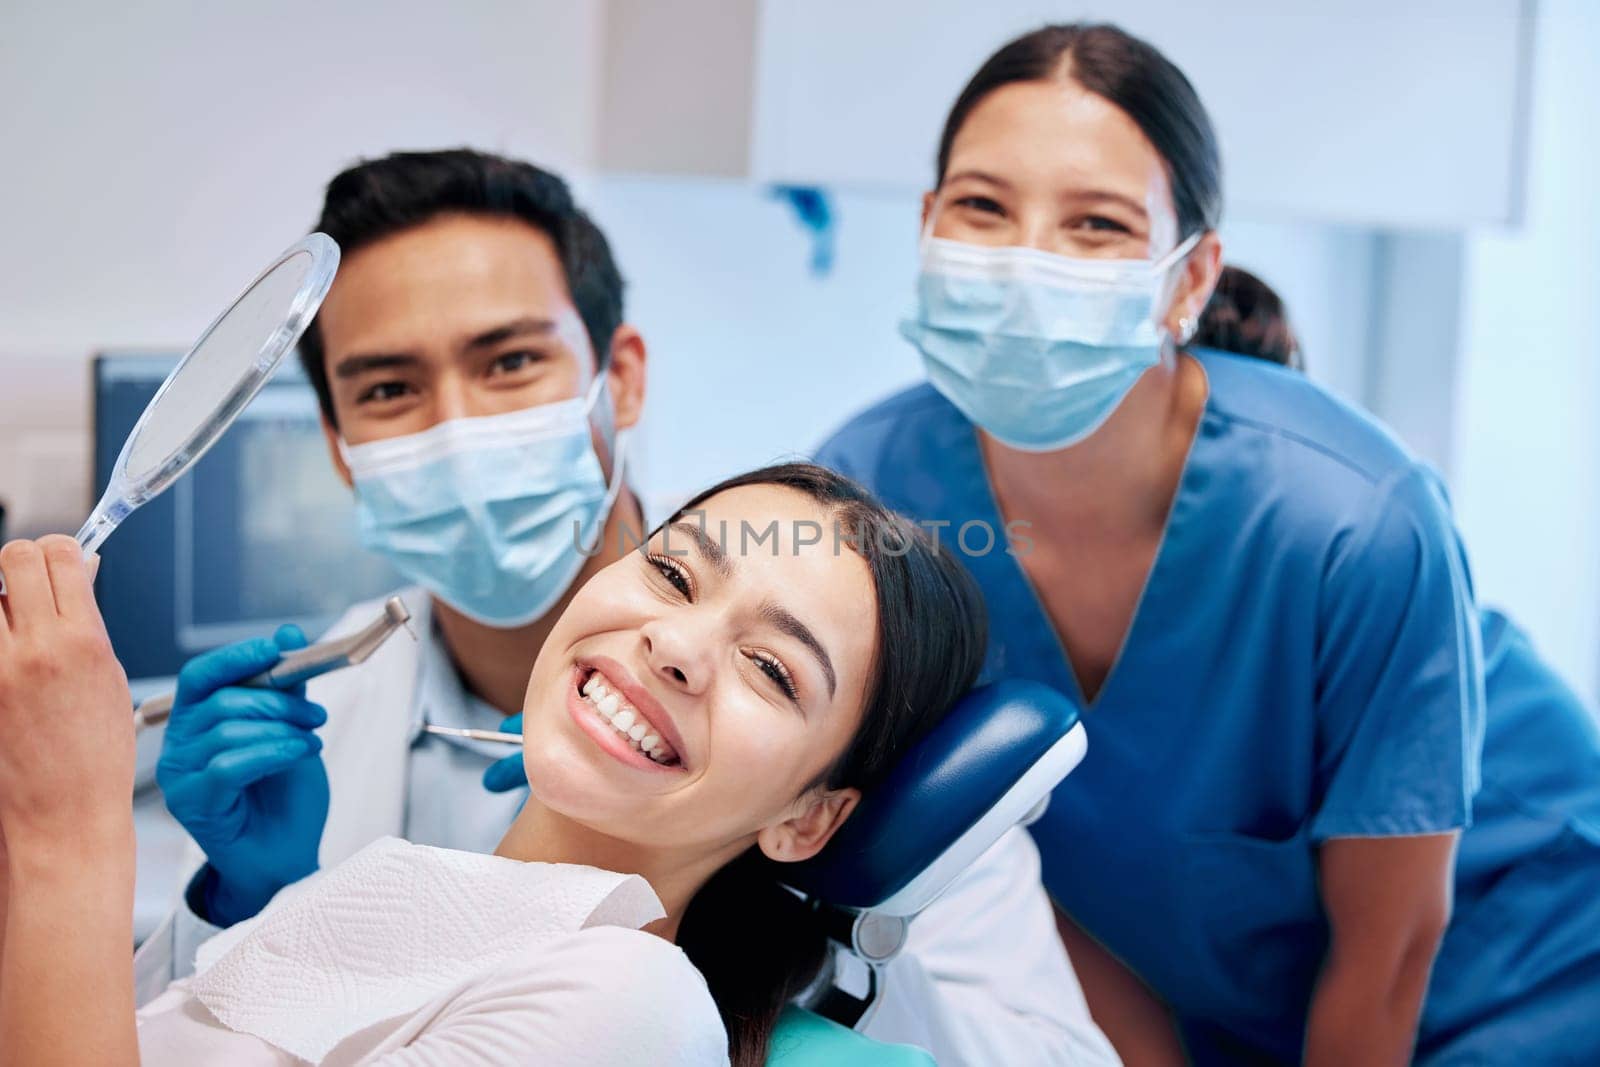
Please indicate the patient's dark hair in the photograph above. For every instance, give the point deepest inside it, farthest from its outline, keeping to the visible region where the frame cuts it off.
(378, 198)
(757, 944)
(1245, 316)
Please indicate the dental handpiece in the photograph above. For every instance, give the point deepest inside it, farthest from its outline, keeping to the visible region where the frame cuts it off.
(303, 663)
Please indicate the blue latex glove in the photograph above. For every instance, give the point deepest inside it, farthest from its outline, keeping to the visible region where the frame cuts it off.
(242, 771)
(507, 774)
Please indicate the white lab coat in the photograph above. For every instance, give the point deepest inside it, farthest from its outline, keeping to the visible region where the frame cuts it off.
(983, 979)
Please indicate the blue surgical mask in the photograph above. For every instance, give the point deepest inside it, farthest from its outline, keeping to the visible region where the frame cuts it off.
(487, 513)
(1037, 349)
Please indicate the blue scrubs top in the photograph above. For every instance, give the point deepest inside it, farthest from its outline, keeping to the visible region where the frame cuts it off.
(1306, 662)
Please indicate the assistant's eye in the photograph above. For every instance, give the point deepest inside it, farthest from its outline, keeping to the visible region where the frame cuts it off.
(1102, 224)
(512, 362)
(986, 205)
(674, 572)
(382, 391)
(773, 668)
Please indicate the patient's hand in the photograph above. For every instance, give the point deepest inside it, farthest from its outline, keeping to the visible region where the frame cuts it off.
(66, 722)
(66, 779)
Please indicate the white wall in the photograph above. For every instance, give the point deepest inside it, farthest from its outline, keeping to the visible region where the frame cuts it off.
(752, 358)
(157, 154)
(1527, 475)
(1415, 340)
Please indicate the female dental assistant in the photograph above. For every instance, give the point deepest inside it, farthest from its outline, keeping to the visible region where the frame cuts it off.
(1300, 790)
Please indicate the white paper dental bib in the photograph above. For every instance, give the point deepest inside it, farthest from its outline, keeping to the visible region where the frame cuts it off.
(401, 927)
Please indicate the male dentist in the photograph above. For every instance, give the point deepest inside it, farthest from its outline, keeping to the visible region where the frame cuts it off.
(472, 348)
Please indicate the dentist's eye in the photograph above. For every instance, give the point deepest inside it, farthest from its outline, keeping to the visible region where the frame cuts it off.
(382, 391)
(773, 668)
(512, 362)
(674, 572)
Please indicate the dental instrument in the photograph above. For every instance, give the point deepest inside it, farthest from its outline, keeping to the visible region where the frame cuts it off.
(305, 663)
(474, 735)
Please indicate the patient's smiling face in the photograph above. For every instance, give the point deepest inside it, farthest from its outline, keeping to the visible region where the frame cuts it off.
(742, 670)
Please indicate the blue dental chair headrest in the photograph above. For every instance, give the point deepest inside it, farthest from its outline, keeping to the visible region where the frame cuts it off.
(989, 764)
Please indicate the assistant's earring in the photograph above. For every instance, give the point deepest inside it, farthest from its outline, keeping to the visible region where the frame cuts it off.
(1186, 328)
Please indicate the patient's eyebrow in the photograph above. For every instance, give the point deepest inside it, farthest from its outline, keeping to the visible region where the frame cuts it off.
(785, 621)
(714, 553)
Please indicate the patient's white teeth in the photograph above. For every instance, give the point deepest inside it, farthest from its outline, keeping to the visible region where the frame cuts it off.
(634, 728)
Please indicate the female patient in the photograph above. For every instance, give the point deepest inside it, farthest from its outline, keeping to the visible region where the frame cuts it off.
(705, 708)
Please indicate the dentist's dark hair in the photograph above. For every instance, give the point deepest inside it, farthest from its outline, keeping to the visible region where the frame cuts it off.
(757, 944)
(378, 198)
(1139, 80)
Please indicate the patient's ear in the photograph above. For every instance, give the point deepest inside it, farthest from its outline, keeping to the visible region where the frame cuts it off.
(802, 835)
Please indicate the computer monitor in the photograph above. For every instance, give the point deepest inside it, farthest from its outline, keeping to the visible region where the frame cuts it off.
(260, 532)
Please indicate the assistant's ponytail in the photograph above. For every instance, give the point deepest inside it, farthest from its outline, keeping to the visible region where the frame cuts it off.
(1246, 317)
